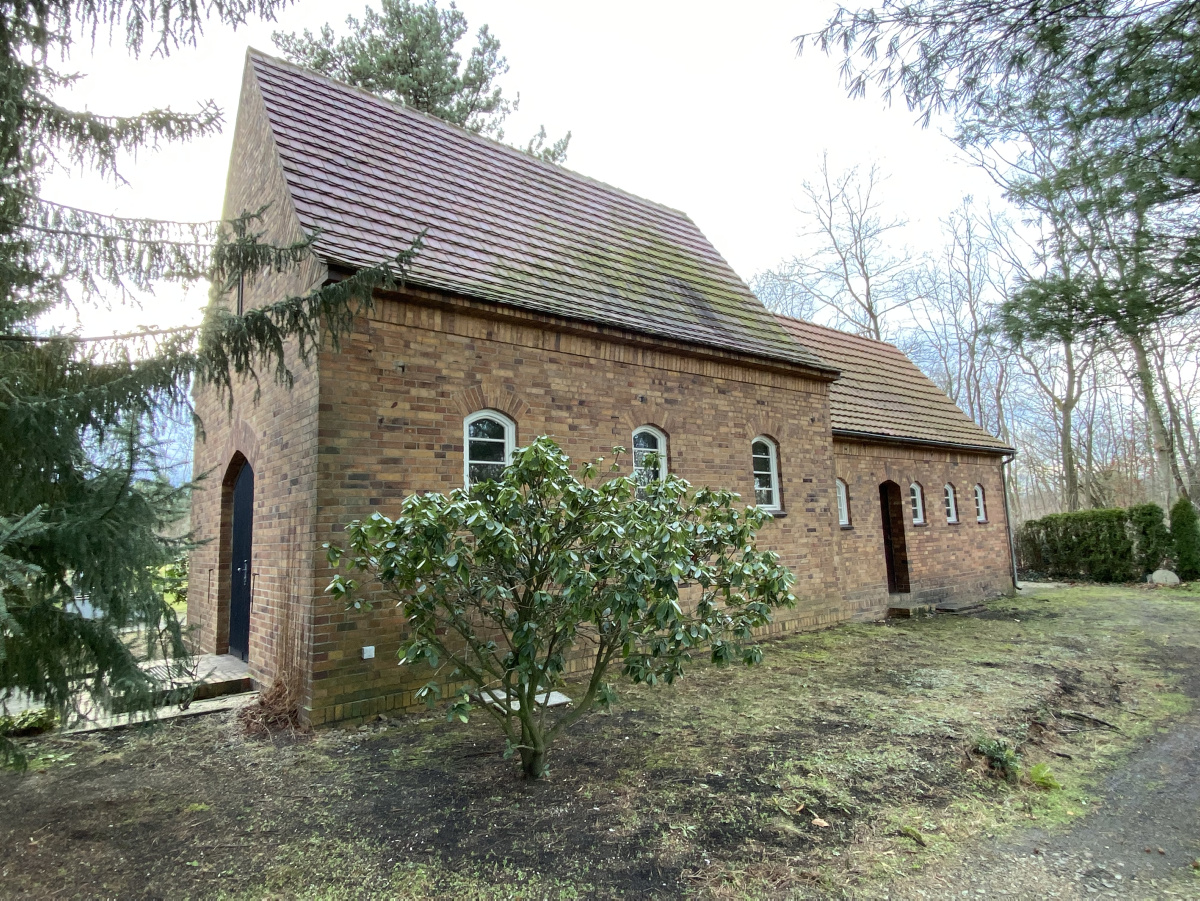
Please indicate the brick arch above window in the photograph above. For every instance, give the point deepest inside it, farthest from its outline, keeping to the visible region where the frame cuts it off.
(634, 417)
(764, 426)
(491, 394)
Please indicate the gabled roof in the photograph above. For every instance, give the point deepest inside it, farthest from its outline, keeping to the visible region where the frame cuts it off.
(882, 393)
(501, 226)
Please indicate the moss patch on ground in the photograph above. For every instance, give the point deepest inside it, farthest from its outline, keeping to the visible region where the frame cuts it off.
(845, 761)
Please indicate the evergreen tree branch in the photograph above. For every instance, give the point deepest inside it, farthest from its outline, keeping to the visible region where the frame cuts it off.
(91, 140)
(243, 346)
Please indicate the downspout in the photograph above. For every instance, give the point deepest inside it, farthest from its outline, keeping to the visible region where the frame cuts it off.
(1012, 547)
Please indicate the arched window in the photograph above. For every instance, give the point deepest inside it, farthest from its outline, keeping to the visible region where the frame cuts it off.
(951, 501)
(649, 454)
(764, 460)
(980, 505)
(488, 439)
(843, 498)
(917, 495)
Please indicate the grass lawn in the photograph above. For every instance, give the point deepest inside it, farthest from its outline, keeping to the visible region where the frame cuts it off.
(843, 762)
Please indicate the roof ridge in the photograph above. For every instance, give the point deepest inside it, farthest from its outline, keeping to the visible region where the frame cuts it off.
(515, 152)
(840, 332)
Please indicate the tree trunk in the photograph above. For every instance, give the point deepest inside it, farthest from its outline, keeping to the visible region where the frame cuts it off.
(1067, 438)
(533, 748)
(533, 763)
(1175, 417)
(1168, 471)
(1067, 451)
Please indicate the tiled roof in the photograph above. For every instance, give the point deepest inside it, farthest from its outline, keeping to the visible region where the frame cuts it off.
(500, 225)
(881, 392)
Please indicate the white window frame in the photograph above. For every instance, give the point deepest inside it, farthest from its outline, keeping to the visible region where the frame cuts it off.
(916, 496)
(773, 458)
(662, 449)
(950, 500)
(843, 502)
(980, 504)
(510, 437)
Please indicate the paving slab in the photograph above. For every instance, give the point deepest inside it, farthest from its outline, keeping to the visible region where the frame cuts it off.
(959, 606)
(546, 699)
(165, 714)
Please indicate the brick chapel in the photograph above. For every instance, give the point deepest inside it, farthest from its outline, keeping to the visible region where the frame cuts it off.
(543, 303)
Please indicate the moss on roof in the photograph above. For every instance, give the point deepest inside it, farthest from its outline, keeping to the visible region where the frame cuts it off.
(500, 225)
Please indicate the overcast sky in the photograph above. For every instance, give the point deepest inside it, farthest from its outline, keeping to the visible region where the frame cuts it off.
(707, 111)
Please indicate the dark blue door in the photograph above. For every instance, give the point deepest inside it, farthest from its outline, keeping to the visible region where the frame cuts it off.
(895, 552)
(239, 578)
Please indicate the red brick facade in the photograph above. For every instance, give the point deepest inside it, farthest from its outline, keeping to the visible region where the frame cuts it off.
(946, 560)
(381, 418)
(270, 427)
(389, 422)
(392, 410)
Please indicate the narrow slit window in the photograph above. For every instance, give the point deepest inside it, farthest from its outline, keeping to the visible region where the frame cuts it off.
(764, 459)
(951, 501)
(843, 502)
(980, 505)
(917, 495)
(649, 455)
(488, 439)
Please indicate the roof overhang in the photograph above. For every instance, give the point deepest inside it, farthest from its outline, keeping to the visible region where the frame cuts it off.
(877, 438)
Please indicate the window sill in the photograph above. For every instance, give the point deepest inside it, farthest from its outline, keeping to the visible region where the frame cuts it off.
(776, 514)
(846, 528)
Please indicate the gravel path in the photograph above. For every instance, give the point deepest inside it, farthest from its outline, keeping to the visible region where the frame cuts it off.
(1141, 841)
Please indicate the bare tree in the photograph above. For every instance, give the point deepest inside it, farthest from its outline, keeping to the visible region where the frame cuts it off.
(955, 296)
(1061, 373)
(781, 292)
(853, 275)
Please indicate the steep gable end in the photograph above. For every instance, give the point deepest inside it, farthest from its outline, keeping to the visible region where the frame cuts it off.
(256, 181)
(501, 226)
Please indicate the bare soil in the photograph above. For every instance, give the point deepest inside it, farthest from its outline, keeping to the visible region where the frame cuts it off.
(716, 787)
(1140, 840)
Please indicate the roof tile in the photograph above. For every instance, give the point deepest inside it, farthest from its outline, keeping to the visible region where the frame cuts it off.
(882, 392)
(500, 225)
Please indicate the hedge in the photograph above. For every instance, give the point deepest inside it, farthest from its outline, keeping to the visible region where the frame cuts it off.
(1151, 538)
(1185, 533)
(1091, 545)
(1111, 545)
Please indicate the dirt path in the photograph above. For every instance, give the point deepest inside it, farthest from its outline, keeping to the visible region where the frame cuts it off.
(1142, 840)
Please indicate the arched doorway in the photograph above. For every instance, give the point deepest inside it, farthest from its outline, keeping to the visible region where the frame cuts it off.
(241, 544)
(895, 552)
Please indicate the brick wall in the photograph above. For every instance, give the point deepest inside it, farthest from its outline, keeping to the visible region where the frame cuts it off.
(391, 423)
(276, 433)
(945, 560)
